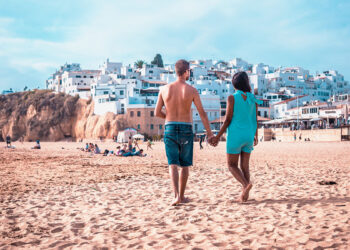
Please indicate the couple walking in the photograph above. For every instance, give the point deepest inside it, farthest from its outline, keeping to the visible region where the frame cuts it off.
(240, 123)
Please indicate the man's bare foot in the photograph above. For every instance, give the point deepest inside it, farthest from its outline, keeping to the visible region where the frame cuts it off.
(185, 200)
(245, 193)
(176, 201)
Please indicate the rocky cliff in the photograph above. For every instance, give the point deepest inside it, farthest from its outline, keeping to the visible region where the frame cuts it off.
(44, 115)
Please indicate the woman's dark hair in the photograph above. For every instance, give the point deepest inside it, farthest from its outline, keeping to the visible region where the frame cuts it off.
(240, 81)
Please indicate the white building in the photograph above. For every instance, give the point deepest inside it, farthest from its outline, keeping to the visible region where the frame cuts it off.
(78, 82)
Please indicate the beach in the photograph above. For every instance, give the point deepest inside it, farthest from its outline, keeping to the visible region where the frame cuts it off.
(60, 197)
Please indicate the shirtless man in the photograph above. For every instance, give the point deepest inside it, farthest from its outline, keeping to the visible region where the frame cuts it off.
(177, 98)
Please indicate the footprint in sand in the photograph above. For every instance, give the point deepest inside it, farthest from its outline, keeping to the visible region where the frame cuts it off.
(78, 225)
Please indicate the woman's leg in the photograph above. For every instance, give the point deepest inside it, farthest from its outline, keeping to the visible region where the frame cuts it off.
(245, 157)
(232, 162)
(245, 169)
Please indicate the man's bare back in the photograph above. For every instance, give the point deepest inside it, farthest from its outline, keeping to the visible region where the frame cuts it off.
(177, 98)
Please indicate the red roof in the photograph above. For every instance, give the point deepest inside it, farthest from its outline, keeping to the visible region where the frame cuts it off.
(260, 118)
(155, 82)
(290, 99)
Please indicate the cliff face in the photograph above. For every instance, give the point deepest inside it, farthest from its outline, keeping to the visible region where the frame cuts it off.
(44, 115)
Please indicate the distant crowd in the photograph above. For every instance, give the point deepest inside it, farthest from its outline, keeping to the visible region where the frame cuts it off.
(126, 150)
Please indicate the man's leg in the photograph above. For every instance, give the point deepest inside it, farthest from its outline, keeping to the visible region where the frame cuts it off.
(174, 176)
(184, 173)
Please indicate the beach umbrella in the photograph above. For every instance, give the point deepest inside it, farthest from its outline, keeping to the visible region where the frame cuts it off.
(138, 136)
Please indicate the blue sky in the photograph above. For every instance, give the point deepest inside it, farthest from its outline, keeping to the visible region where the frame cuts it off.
(38, 36)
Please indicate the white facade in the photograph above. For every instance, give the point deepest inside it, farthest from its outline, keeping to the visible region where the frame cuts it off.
(78, 82)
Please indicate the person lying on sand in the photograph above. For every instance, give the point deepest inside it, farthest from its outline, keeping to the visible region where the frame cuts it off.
(138, 153)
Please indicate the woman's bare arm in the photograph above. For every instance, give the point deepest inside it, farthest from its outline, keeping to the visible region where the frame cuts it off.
(228, 117)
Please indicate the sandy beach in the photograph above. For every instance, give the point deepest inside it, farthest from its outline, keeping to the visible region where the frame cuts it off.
(60, 197)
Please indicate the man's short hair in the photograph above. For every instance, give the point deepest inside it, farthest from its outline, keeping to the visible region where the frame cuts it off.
(181, 66)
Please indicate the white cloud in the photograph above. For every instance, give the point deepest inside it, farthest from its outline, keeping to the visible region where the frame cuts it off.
(277, 32)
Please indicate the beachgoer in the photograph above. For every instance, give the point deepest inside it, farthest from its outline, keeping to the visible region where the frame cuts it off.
(295, 136)
(97, 149)
(149, 144)
(37, 145)
(201, 141)
(130, 144)
(140, 153)
(8, 141)
(177, 97)
(300, 137)
(87, 147)
(136, 144)
(241, 123)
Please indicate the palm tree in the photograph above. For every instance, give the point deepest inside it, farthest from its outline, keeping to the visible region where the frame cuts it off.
(139, 63)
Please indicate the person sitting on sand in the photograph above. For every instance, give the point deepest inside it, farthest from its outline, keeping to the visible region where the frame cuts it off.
(97, 149)
(130, 144)
(87, 147)
(37, 145)
(241, 123)
(8, 141)
(119, 151)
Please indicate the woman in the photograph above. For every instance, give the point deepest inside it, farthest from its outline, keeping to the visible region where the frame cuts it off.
(242, 133)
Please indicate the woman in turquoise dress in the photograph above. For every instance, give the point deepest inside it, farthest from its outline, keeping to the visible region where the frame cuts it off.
(242, 133)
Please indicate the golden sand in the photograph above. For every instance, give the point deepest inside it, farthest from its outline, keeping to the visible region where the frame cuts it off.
(61, 197)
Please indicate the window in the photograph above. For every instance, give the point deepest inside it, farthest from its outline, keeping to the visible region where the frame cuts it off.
(105, 92)
(196, 127)
(121, 92)
(138, 113)
(138, 126)
(259, 113)
(152, 127)
(151, 71)
(131, 113)
(91, 77)
(265, 114)
(152, 113)
(160, 126)
(84, 76)
(77, 76)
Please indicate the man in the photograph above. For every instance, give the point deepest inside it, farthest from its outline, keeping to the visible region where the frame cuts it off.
(8, 141)
(177, 98)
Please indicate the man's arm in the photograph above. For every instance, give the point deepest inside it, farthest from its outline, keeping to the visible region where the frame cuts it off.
(202, 114)
(160, 103)
(257, 126)
(228, 117)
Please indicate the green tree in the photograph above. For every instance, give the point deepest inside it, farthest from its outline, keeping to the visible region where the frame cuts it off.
(158, 61)
(139, 63)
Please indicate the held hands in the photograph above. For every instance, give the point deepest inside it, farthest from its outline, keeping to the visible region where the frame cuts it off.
(213, 141)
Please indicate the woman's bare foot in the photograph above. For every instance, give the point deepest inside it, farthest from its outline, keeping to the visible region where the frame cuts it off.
(176, 201)
(245, 193)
